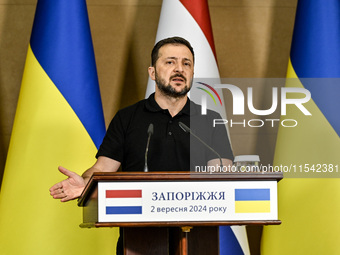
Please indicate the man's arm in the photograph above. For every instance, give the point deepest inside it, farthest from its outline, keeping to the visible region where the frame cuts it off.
(73, 186)
(103, 164)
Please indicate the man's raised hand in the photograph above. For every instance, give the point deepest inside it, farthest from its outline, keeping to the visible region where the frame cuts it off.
(68, 189)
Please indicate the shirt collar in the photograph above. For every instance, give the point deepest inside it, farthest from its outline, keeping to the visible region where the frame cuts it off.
(152, 106)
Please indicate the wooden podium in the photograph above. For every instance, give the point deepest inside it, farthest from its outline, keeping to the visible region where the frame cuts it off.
(178, 213)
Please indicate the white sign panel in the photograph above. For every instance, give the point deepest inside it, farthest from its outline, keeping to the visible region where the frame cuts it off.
(187, 201)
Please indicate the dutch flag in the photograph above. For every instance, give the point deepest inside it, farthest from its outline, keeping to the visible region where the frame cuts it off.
(123, 201)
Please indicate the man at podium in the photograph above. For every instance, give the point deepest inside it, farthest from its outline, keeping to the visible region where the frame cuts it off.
(165, 117)
(171, 148)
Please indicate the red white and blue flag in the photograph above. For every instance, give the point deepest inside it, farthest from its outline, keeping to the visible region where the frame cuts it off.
(123, 202)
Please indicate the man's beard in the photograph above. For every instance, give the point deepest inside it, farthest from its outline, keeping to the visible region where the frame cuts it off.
(168, 90)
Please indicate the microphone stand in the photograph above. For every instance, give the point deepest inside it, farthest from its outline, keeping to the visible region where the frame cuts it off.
(188, 130)
(150, 132)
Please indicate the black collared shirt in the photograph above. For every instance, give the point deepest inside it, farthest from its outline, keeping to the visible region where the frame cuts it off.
(169, 149)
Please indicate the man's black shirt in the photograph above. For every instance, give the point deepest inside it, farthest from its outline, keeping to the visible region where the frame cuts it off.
(171, 148)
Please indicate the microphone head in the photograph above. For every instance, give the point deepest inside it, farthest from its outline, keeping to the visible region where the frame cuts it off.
(150, 129)
(184, 127)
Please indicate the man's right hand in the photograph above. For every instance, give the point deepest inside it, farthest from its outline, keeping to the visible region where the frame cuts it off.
(68, 189)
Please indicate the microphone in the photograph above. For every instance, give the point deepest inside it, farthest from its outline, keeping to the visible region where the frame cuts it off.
(188, 130)
(150, 132)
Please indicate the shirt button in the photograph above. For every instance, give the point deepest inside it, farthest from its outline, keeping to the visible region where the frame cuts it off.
(170, 121)
(170, 133)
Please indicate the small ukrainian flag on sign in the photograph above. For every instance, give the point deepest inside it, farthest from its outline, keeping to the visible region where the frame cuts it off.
(252, 200)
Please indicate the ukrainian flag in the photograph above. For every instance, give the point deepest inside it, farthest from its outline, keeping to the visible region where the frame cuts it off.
(252, 200)
(309, 207)
(59, 121)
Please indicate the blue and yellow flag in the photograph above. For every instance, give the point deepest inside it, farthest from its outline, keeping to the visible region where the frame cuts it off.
(309, 207)
(59, 121)
(252, 200)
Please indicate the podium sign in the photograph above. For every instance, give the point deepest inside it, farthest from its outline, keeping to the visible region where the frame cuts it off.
(180, 199)
(164, 201)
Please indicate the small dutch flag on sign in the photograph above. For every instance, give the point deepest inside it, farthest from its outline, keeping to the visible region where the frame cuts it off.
(123, 202)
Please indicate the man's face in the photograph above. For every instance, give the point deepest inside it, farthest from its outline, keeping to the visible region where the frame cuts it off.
(174, 70)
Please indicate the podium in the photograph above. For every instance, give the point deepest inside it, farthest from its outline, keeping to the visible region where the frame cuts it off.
(178, 213)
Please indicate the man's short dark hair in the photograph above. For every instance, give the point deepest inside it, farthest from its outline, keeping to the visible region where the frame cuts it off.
(171, 40)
